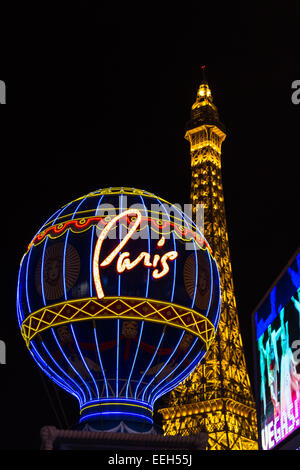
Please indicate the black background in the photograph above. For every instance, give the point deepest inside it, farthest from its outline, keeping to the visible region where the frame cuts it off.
(99, 97)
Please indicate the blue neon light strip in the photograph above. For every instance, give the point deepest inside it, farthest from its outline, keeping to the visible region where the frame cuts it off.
(50, 372)
(52, 215)
(19, 304)
(91, 259)
(117, 365)
(196, 276)
(174, 269)
(153, 357)
(180, 377)
(100, 361)
(211, 282)
(71, 365)
(76, 210)
(26, 281)
(42, 271)
(119, 293)
(64, 265)
(36, 357)
(92, 247)
(84, 418)
(60, 382)
(149, 248)
(174, 263)
(165, 364)
(60, 213)
(115, 404)
(172, 372)
(83, 360)
(220, 298)
(98, 205)
(120, 239)
(135, 356)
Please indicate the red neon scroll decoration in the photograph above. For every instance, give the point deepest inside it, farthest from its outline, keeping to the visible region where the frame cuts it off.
(124, 262)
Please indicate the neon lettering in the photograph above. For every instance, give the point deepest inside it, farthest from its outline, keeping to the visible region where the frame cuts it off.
(171, 255)
(291, 417)
(277, 430)
(123, 261)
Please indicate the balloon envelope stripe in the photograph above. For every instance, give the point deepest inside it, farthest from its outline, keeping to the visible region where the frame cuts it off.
(174, 370)
(76, 210)
(163, 366)
(173, 383)
(60, 213)
(26, 280)
(149, 249)
(174, 245)
(63, 384)
(64, 265)
(117, 364)
(149, 365)
(19, 303)
(174, 268)
(42, 272)
(211, 284)
(83, 361)
(135, 356)
(91, 260)
(196, 276)
(44, 225)
(100, 361)
(70, 365)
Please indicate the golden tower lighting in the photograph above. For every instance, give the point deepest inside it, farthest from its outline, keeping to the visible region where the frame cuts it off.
(217, 397)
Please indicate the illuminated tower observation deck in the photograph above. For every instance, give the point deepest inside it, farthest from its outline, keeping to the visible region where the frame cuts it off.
(217, 397)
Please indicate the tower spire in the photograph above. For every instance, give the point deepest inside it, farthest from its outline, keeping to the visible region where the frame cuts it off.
(203, 67)
(204, 111)
(217, 397)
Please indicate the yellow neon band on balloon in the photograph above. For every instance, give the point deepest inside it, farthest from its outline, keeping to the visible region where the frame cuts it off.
(132, 308)
(115, 403)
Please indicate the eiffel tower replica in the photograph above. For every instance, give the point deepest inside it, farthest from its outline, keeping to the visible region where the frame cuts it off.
(217, 397)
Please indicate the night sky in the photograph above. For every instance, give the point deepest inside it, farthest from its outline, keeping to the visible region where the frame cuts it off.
(100, 98)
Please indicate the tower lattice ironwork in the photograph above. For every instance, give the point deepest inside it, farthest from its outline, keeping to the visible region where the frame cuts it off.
(217, 397)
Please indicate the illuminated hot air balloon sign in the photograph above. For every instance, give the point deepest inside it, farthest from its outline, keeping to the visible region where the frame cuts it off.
(118, 300)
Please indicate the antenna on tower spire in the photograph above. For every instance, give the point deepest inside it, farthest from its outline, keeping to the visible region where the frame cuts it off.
(203, 67)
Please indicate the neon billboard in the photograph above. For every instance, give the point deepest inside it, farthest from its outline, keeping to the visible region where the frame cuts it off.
(118, 300)
(277, 357)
